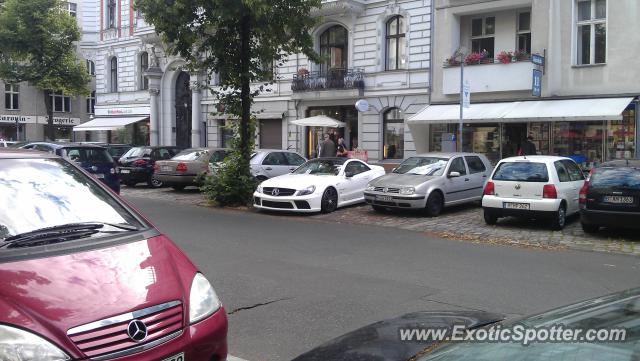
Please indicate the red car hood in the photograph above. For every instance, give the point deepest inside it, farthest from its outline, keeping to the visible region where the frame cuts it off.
(52, 295)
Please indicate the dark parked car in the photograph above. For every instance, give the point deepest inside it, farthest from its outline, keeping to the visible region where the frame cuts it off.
(381, 341)
(116, 150)
(85, 277)
(136, 165)
(93, 158)
(610, 196)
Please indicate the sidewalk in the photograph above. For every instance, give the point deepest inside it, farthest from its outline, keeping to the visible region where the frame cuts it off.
(464, 223)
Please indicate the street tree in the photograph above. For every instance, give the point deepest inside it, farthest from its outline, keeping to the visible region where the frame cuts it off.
(37, 45)
(242, 41)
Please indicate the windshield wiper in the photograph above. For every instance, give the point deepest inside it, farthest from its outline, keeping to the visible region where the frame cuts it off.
(61, 233)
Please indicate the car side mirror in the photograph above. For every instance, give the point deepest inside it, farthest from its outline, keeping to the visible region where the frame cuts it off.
(454, 174)
(348, 174)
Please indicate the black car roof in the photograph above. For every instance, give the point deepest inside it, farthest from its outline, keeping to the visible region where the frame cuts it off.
(14, 153)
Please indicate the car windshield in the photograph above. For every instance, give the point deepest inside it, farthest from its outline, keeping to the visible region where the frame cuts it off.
(40, 193)
(521, 172)
(88, 155)
(321, 167)
(623, 178)
(137, 152)
(430, 166)
(190, 154)
(611, 312)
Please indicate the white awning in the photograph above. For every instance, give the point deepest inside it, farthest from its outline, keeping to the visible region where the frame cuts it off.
(529, 111)
(107, 123)
(319, 121)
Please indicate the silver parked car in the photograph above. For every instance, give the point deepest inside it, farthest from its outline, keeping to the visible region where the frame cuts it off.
(269, 163)
(431, 182)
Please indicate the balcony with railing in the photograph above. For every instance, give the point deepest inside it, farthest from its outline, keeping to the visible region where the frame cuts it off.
(333, 79)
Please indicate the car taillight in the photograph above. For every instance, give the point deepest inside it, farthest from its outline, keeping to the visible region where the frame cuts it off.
(549, 191)
(181, 167)
(583, 192)
(489, 189)
(139, 163)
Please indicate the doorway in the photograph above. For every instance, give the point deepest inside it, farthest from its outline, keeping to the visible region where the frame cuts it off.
(183, 111)
(513, 135)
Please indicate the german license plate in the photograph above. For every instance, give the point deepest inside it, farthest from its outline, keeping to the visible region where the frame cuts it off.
(509, 205)
(165, 168)
(178, 357)
(618, 199)
(384, 198)
(125, 171)
(100, 176)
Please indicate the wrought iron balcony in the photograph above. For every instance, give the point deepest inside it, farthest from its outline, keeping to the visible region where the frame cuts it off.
(336, 78)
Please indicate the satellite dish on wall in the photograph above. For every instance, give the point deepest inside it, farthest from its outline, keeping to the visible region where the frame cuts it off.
(362, 105)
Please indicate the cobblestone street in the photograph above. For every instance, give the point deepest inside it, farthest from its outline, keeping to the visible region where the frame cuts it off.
(464, 223)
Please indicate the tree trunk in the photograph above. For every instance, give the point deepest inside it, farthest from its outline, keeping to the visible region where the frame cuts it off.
(245, 96)
(49, 133)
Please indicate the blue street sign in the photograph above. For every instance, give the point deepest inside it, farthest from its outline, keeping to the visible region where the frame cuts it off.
(537, 59)
(536, 85)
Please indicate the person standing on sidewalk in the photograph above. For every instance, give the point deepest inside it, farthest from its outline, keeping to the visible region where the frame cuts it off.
(327, 147)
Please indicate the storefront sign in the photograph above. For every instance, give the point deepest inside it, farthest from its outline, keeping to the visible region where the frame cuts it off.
(122, 111)
(536, 86)
(466, 95)
(362, 105)
(60, 121)
(537, 59)
(22, 119)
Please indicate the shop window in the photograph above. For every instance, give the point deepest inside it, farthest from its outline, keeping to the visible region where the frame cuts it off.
(621, 136)
(393, 130)
(580, 141)
(483, 35)
(113, 74)
(12, 96)
(591, 31)
(144, 66)
(395, 44)
(524, 32)
(61, 103)
(483, 139)
(334, 48)
(91, 103)
(442, 137)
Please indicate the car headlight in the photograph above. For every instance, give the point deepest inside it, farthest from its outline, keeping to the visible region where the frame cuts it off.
(17, 344)
(203, 300)
(259, 189)
(407, 190)
(370, 188)
(306, 191)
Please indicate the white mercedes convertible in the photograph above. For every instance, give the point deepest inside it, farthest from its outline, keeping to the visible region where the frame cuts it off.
(319, 185)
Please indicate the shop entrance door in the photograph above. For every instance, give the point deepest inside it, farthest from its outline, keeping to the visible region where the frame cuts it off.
(513, 135)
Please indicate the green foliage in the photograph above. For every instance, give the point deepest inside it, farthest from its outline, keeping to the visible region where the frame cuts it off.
(37, 45)
(238, 39)
(232, 183)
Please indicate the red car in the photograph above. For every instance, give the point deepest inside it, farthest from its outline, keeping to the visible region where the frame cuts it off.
(84, 276)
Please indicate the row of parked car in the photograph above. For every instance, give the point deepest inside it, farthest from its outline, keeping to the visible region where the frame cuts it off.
(548, 188)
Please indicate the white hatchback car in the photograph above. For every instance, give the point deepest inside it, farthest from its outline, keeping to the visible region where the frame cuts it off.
(545, 187)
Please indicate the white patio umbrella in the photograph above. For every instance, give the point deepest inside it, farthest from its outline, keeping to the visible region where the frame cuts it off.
(319, 121)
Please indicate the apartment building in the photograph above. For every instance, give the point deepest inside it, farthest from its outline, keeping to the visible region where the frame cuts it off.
(377, 51)
(23, 115)
(581, 102)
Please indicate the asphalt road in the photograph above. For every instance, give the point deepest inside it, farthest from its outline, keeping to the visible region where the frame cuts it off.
(289, 283)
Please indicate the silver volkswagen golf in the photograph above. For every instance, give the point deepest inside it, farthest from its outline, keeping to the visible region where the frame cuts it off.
(431, 182)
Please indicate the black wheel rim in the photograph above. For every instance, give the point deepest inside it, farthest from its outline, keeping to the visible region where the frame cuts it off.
(156, 183)
(561, 217)
(330, 200)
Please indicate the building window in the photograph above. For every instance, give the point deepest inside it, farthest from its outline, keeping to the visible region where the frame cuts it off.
(72, 9)
(144, 66)
(113, 72)
(91, 68)
(12, 96)
(591, 30)
(483, 35)
(61, 103)
(395, 44)
(393, 130)
(334, 48)
(91, 103)
(524, 32)
(111, 14)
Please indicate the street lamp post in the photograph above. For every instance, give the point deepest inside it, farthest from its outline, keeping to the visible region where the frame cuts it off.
(460, 125)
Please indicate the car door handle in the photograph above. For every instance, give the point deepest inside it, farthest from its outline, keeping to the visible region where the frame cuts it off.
(268, 168)
(484, 176)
